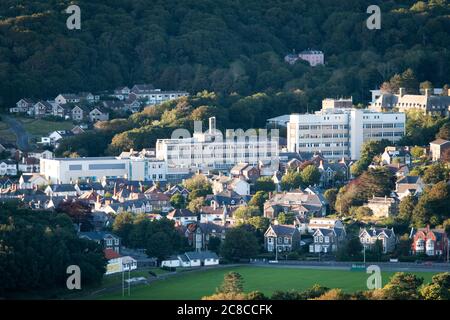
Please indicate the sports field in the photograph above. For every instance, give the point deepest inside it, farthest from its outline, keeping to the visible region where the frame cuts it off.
(196, 284)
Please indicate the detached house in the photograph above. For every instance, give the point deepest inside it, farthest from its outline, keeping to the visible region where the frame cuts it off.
(302, 203)
(98, 114)
(8, 167)
(409, 185)
(182, 216)
(281, 238)
(227, 198)
(106, 239)
(332, 172)
(432, 242)
(32, 181)
(438, 147)
(79, 113)
(385, 235)
(177, 189)
(59, 110)
(122, 93)
(132, 104)
(245, 170)
(66, 98)
(327, 240)
(238, 185)
(41, 109)
(395, 154)
(23, 106)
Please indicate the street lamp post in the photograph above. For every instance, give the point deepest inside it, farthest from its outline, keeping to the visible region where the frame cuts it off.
(276, 249)
(364, 254)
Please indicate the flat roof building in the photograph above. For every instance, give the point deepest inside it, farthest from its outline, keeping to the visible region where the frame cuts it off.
(211, 150)
(340, 133)
(70, 170)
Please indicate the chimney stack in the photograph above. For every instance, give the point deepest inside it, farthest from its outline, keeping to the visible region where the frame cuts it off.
(402, 92)
(212, 124)
(427, 92)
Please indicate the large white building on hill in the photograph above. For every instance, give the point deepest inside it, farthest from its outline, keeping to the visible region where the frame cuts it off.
(210, 150)
(338, 133)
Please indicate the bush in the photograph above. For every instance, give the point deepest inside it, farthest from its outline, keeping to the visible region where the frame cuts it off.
(170, 269)
(53, 118)
(293, 256)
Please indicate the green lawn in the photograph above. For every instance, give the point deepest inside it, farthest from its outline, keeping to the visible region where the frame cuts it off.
(115, 279)
(6, 134)
(194, 285)
(39, 127)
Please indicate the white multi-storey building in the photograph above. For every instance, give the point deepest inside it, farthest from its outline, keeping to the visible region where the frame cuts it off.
(338, 133)
(210, 150)
(69, 170)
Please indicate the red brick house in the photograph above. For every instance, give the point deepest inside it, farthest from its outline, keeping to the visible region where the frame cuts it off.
(432, 242)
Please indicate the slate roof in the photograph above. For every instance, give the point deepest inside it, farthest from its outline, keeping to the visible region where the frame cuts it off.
(440, 142)
(408, 180)
(178, 213)
(96, 235)
(201, 255)
(65, 187)
(283, 230)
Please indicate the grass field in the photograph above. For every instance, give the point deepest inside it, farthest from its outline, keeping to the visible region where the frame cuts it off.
(6, 134)
(194, 285)
(39, 127)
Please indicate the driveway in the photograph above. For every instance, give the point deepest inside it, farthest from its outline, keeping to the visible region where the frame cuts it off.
(20, 132)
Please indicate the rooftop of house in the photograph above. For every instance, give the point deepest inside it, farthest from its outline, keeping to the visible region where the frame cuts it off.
(201, 255)
(65, 187)
(375, 232)
(96, 235)
(181, 213)
(409, 180)
(283, 229)
(440, 142)
(381, 200)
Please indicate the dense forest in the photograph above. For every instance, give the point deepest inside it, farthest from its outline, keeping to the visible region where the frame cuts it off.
(36, 247)
(223, 46)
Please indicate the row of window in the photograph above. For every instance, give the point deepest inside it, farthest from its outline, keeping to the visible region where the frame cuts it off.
(323, 127)
(383, 125)
(321, 239)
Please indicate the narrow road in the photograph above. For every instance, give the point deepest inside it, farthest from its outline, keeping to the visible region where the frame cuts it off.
(334, 265)
(20, 132)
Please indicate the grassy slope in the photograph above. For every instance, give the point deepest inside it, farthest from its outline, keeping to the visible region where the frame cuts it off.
(198, 284)
(38, 127)
(6, 135)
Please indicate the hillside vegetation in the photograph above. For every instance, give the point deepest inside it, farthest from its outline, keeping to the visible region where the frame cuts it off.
(224, 46)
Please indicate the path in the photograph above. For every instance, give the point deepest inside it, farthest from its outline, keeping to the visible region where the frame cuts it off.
(20, 132)
(336, 265)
